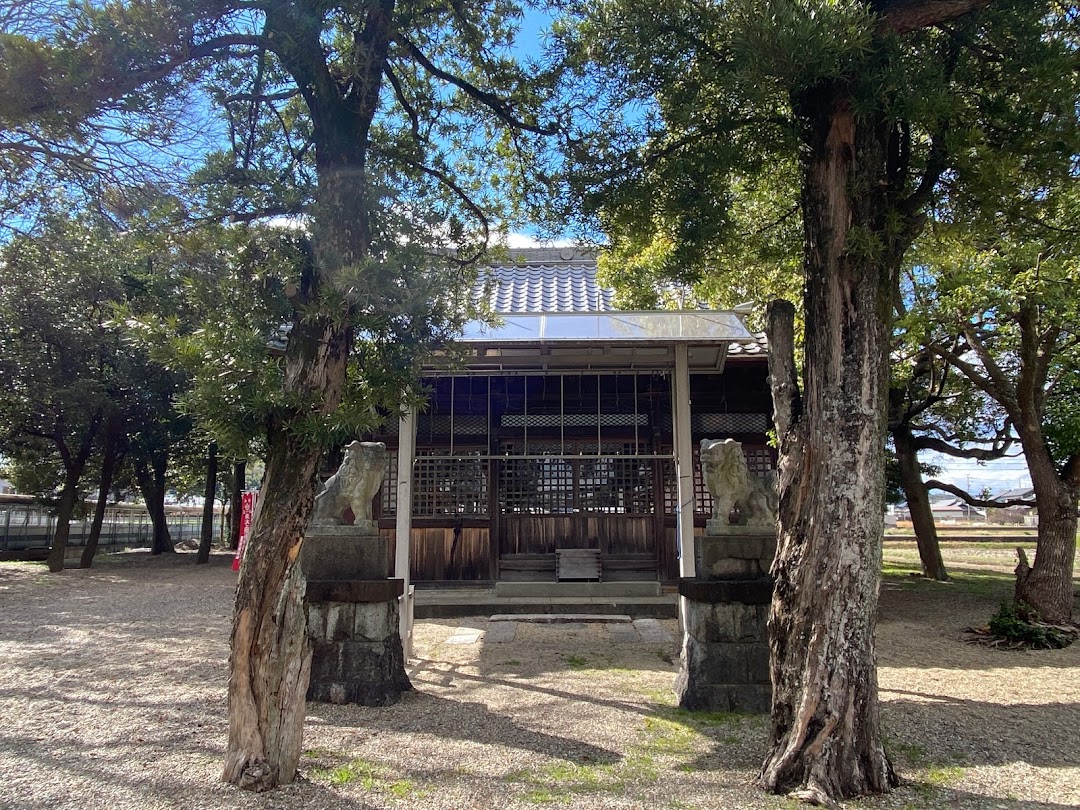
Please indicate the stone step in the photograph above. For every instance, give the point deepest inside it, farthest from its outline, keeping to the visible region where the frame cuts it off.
(589, 589)
(563, 618)
(447, 604)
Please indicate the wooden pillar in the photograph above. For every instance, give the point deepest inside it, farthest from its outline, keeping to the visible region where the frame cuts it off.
(403, 532)
(684, 460)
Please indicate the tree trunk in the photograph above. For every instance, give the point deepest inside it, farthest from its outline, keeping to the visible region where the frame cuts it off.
(239, 476)
(271, 659)
(1047, 585)
(207, 535)
(74, 464)
(152, 485)
(110, 460)
(825, 735)
(918, 500)
(65, 509)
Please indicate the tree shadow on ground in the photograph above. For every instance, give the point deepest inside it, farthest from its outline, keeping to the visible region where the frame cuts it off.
(425, 713)
(917, 794)
(973, 732)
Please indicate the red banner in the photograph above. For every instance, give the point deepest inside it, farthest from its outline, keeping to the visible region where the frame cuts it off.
(247, 517)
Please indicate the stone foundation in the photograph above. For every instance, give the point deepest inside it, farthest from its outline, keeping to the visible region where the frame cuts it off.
(352, 617)
(356, 653)
(725, 657)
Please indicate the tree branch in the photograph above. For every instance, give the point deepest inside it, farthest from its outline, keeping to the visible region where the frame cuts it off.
(969, 499)
(923, 442)
(458, 192)
(904, 16)
(489, 100)
(414, 119)
(783, 374)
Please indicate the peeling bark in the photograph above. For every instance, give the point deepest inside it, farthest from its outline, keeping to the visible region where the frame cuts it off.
(270, 664)
(825, 735)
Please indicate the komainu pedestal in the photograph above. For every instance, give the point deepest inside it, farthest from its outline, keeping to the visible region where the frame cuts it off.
(352, 604)
(725, 656)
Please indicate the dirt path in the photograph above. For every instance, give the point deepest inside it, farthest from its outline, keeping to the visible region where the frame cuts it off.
(112, 695)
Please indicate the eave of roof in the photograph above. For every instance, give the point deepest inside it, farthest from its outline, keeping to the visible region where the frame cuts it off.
(701, 327)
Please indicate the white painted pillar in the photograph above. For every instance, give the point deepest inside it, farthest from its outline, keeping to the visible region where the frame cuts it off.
(684, 460)
(406, 455)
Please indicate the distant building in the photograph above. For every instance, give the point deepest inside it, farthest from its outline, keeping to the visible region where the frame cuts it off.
(955, 509)
(1018, 514)
(6, 487)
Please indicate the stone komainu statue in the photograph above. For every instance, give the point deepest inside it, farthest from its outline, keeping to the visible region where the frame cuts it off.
(731, 484)
(352, 486)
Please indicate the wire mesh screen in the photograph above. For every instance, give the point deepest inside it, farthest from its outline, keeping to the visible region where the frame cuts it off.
(727, 423)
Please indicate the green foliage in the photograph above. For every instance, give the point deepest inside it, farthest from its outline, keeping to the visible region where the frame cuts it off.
(61, 362)
(1018, 623)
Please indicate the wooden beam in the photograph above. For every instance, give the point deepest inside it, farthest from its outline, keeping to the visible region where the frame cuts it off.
(406, 455)
(684, 460)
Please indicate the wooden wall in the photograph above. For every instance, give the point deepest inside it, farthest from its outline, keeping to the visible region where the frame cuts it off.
(542, 534)
(439, 553)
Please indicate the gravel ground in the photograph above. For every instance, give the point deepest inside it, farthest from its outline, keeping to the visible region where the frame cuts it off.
(112, 695)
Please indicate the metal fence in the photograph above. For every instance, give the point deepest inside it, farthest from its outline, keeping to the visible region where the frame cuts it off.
(27, 525)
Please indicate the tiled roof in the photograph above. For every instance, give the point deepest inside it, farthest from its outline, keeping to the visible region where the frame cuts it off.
(544, 288)
(561, 280)
(757, 348)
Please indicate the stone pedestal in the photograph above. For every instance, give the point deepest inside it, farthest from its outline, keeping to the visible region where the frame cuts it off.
(352, 617)
(725, 656)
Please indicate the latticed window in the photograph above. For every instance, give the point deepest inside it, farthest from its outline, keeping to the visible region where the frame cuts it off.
(537, 486)
(616, 484)
(444, 485)
(388, 493)
(758, 459)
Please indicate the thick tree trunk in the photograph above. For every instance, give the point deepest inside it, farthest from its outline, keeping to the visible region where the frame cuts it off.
(825, 736)
(271, 659)
(209, 495)
(1047, 585)
(236, 493)
(918, 500)
(64, 510)
(110, 460)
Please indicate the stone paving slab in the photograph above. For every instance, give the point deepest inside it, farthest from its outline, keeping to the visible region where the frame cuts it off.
(623, 633)
(501, 632)
(652, 631)
(563, 618)
(465, 635)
